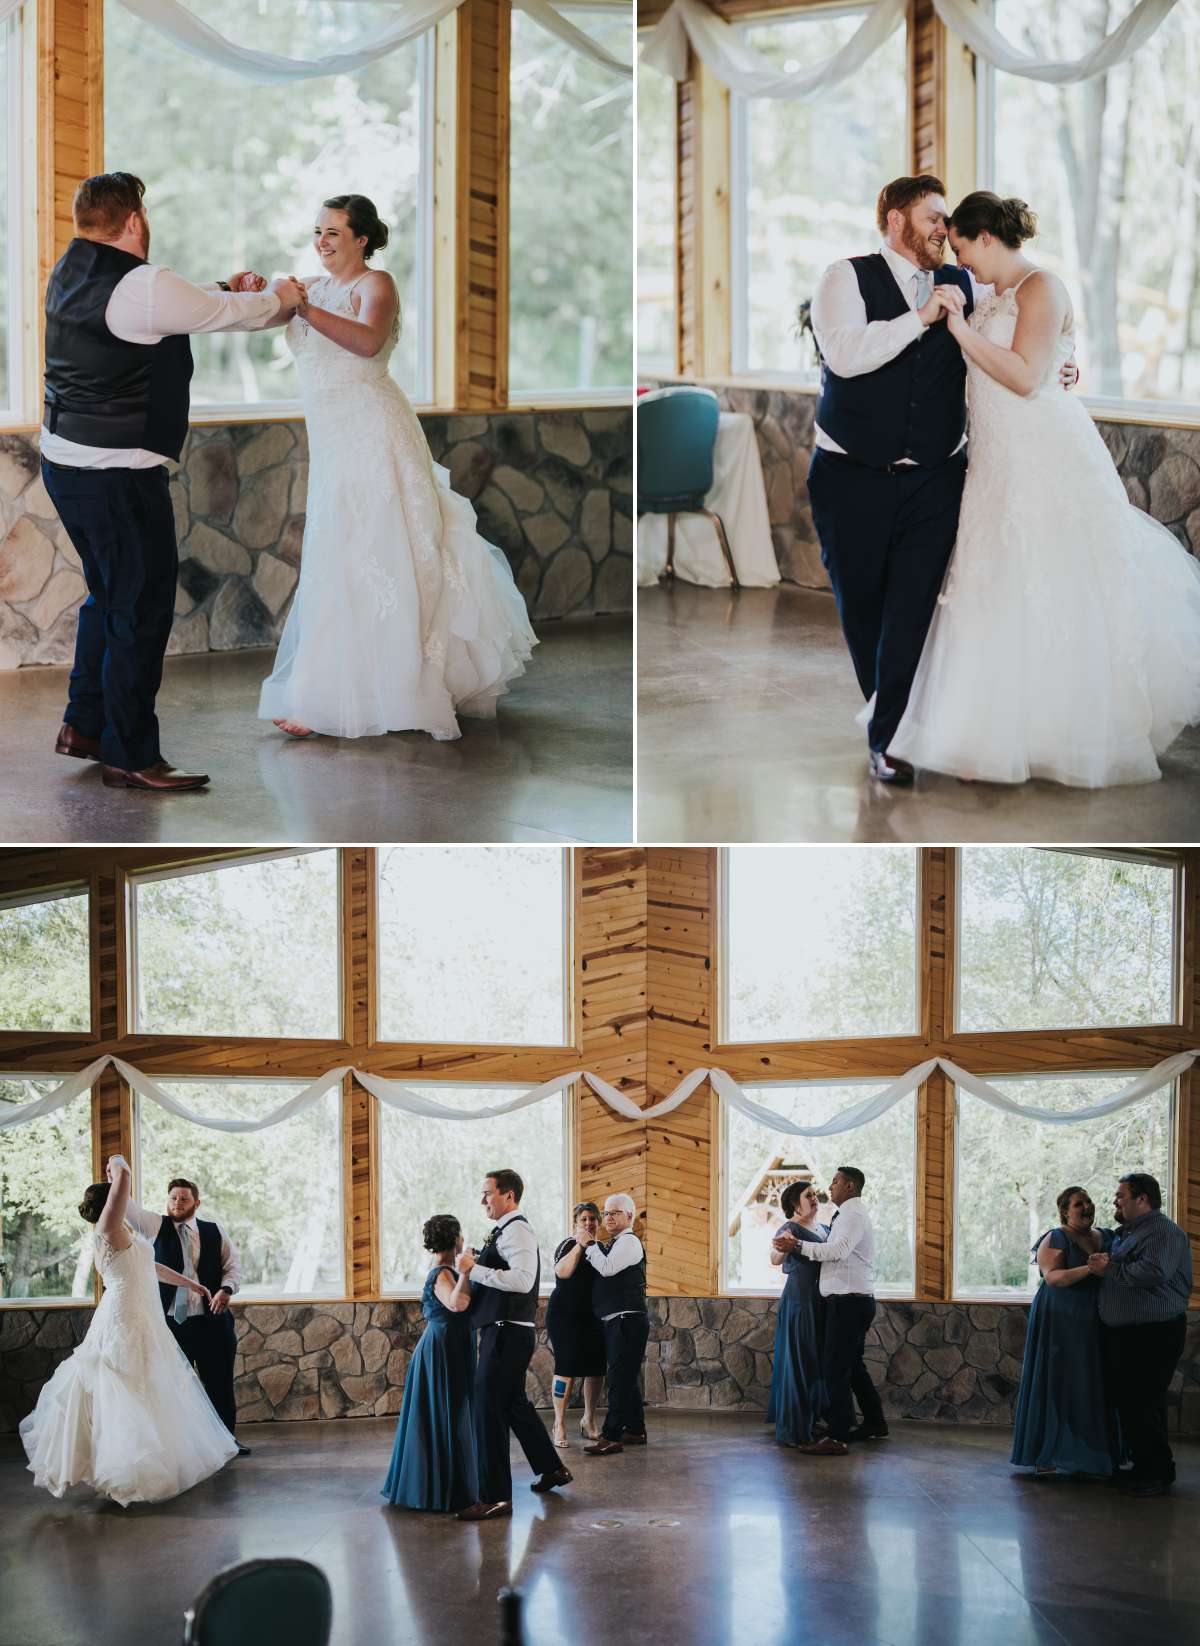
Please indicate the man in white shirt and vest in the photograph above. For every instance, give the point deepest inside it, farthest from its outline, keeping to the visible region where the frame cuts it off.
(505, 1274)
(619, 1302)
(848, 1294)
(118, 366)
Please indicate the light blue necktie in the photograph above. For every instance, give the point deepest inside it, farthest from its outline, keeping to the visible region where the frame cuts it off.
(924, 280)
(181, 1296)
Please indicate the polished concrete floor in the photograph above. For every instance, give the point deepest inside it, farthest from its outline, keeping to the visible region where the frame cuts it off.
(711, 1535)
(554, 765)
(746, 732)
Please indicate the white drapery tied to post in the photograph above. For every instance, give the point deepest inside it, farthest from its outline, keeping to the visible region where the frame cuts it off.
(396, 1095)
(727, 55)
(412, 17)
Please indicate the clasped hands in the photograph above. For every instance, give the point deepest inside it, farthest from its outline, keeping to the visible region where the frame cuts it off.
(292, 293)
(949, 302)
(1097, 1263)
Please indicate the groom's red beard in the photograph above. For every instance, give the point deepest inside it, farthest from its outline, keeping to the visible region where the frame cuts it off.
(925, 253)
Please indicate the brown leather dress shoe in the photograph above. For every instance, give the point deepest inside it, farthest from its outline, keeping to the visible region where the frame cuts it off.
(890, 770)
(69, 741)
(160, 778)
(829, 1447)
(603, 1448)
(553, 1478)
(629, 1438)
(486, 1511)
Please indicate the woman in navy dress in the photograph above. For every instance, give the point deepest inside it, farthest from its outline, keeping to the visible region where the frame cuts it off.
(433, 1460)
(576, 1336)
(1064, 1421)
(797, 1393)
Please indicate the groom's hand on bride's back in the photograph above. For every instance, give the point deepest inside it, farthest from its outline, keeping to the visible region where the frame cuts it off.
(1069, 375)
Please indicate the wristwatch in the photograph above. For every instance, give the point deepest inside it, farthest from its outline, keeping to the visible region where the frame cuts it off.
(224, 285)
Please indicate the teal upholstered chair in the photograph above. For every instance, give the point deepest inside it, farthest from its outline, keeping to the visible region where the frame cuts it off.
(676, 431)
(262, 1600)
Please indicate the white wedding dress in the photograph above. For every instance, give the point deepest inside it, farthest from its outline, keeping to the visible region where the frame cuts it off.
(126, 1416)
(404, 614)
(1066, 641)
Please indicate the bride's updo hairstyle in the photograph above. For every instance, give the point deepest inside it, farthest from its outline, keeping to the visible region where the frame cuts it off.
(95, 1197)
(440, 1233)
(1009, 221)
(363, 219)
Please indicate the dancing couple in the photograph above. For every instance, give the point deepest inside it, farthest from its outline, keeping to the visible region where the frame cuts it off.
(1013, 616)
(1106, 1330)
(824, 1315)
(144, 1408)
(404, 616)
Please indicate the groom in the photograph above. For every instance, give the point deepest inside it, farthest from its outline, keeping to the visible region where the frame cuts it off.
(505, 1275)
(118, 365)
(887, 474)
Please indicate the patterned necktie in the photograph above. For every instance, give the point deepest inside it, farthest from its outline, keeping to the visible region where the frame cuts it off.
(923, 280)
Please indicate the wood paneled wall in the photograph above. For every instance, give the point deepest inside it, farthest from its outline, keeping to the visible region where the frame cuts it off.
(70, 115)
(646, 976)
(481, 216)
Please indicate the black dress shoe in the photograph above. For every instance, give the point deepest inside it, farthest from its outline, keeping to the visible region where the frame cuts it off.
(604, 1448)
(890, 770)
(551, 1479)
(72, 742)
(869, 1431)
(243, 1451)
(1146, 1488)
(633, 1437)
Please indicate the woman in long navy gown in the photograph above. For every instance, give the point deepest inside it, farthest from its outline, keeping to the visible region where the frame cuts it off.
(797, 1393)
(433, 1460)
(1063, 1420)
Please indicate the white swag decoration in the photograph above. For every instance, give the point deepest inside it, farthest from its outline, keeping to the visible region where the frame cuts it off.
(398, 1096)
(412, 17)
(738, 65)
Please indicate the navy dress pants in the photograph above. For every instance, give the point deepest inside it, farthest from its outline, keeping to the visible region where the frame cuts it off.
(502, 1407)
(123, 529)
(886, 540)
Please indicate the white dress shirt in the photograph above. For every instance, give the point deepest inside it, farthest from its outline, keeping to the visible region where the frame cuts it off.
(149, 1223)
(151, 303)
(517, 1245)
(852, 346)
(848, 1255)
(625, 1251)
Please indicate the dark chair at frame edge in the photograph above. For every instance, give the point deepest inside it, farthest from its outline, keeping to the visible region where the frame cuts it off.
(261, 1600)
(675, 445)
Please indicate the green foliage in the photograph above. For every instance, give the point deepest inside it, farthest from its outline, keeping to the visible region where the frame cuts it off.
(44, 965)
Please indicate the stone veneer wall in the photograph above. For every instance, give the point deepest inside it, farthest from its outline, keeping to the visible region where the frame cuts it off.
(1160, 468)
(949, 1362)
(554, 490)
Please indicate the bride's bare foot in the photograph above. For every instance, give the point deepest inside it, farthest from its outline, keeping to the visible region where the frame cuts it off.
(293, 728)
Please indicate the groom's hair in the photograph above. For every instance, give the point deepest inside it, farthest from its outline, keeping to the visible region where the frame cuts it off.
(508, 1182)
(184, 1183)
(102, 204)
(856, 1177)
(904, 192)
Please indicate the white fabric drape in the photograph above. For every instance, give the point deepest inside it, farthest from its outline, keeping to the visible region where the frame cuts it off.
(412, 17)
(736, 64)
(399, 1096)
(722, 50)
(979, 32)
(9, 8)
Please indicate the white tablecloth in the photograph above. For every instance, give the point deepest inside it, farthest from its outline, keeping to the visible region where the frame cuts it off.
(740, 498)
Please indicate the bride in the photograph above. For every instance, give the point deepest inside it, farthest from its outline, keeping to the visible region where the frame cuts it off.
(126, 1416)
(1066, 643)
(404, 614)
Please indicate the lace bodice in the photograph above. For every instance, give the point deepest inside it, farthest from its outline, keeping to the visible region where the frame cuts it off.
(316, 355)
(995, 318)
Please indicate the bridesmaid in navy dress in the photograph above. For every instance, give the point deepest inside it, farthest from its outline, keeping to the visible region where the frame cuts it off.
(433, 1460)
(797, 1393)
(1063, 1421)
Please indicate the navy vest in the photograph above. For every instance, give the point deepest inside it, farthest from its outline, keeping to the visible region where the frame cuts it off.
(489, 1303)
(619, 1293)
(916, 405)
(100, 390)
(168, 1250)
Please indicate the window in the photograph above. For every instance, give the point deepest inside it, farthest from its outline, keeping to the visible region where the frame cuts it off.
(433, 1166)
(236, 170)
(45, 1165)
(45, 974)
(1110, 166)
(473, 945)
(1010, 1171)
(656, 222)
(570, 209)
(818, 943)
(759, 1164)
(249, 948)
(277, 1194)
(17, 150)
(1059, 940)
(805, 176)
